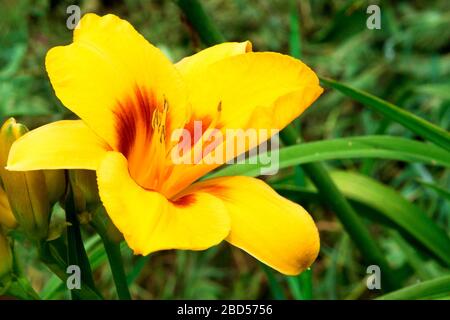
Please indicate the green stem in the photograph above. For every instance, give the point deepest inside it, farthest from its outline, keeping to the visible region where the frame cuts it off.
(295, 43)
(112, 247)
(76, 253)
(200, 22)
(306, 284)
(301, 286)
(275, 287)
(118, 272)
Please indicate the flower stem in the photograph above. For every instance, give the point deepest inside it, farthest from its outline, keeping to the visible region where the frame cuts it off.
(200, 22)
(76, 253)
(275, 287)
(115, 261)
(103, 227)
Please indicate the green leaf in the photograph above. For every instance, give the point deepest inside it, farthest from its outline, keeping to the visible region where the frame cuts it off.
(197, 17)
(445, 193)
(440, 90)
(424, 290)
(301, 286)
(97, 256)
(275, 287)
(392, 206)
(382, 147)
(414, 123)
(295, 43)
(333, 198)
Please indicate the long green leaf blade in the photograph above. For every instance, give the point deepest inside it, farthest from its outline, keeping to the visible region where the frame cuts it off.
(424, 290)
(397, 209)
(391, 205)
(414, 123)
(381, 147)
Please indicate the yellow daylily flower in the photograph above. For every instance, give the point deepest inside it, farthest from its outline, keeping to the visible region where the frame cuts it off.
(131, 99)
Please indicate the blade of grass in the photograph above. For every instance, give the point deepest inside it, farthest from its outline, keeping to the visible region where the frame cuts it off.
(76, 253)
(301, 285)
(20, 288)
(306, 284)
(382, 147)
(414, 259)
(57, 264)
(358, 290)
(295, 287)
(423, 290)
(200, 22)
(390, 205)
(97, 257)
(275, 288)
(414, 123)
(409, 216)
(295, 44)
(137, 269)
(444, 193)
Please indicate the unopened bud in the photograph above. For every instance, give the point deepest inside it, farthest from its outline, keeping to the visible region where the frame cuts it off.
(56, 185)
(85, 189)
(6, 216)
(26, 191)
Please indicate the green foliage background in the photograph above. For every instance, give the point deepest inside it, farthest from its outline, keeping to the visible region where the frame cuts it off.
(407, 63)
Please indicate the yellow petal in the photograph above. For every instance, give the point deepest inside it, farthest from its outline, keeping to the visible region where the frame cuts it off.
(150, 222)
(113, 79)
(67, 144)
(274, 230)
(243, 83)
(263, 90)
(190, 66)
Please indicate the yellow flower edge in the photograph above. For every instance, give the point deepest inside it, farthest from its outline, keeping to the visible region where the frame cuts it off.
(131, 98)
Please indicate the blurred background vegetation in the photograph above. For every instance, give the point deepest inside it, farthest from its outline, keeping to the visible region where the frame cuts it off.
(407, 62)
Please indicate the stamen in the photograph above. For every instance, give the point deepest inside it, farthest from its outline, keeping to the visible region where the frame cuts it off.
(141, 129)
(159, 121)
(197, 148)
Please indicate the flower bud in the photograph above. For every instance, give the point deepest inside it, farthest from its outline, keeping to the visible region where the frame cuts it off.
(6, 216)
(26, 191)
(85, 189)
(6, 258)
(56, 185)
